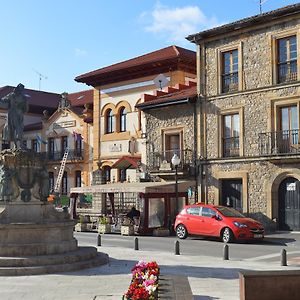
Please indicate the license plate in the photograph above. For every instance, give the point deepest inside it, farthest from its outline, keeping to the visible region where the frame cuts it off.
(258, 236)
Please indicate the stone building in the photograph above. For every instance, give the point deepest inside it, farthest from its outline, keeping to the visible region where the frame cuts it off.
(249, 93)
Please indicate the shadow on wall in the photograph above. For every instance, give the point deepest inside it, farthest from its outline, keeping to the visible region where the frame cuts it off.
(270, 225)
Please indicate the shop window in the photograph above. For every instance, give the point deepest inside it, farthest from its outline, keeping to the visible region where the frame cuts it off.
(156, 212)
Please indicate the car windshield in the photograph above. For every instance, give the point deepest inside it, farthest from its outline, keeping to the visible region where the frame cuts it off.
(229, 212)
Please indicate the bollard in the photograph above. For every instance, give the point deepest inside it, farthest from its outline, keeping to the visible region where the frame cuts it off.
(226, 252)
(177, 251)
(99, 240)
(283, 257)
(136, 244)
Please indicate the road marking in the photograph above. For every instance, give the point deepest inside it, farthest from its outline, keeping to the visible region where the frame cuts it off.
(269, 256)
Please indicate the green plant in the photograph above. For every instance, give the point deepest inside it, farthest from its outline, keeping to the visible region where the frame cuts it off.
(81, 219)
(103, 220)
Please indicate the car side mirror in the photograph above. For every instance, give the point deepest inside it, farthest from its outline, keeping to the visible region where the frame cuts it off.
(216, 217)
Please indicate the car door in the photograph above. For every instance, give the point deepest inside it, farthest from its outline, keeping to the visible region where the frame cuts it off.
(192, 219)
(210, 225)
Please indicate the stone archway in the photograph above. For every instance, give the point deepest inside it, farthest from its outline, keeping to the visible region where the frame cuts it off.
(273, 192)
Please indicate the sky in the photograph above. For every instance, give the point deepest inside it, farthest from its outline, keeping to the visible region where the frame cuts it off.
(45, 44)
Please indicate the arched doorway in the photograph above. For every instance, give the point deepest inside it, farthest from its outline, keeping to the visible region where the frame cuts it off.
(289, 204)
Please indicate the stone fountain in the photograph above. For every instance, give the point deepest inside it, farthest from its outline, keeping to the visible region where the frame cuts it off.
(34, 237)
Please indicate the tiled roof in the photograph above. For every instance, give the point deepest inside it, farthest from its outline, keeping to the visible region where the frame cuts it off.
(81, 98)
(36, 98)
(148, 64)
(170, 95)
(262, 19)
(130, 162)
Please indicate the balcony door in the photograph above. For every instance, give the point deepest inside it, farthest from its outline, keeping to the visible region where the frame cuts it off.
(172, 146)
(288, 138)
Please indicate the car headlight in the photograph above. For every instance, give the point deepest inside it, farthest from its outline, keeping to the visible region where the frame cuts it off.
(240, 225)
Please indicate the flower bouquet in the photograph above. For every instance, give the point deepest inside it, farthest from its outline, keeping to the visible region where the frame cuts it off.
(144, 282)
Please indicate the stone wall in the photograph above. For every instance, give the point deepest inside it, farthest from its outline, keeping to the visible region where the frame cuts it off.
(176, 116)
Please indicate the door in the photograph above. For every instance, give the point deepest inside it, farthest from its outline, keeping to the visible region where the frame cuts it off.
(210, 226)
(193, 222)
(172, 146)
(232, 194)
(289, 204)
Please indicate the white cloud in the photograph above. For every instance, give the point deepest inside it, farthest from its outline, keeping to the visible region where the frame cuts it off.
(176, 23)
(80, 52)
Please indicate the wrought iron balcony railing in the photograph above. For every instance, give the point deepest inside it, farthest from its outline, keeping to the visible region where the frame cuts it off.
(231, 146)
(287, 71)
(230, 82)
(161, 161)
(279, 142)
(58, 155)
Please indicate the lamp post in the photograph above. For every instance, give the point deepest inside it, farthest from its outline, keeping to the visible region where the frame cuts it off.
(175, 162)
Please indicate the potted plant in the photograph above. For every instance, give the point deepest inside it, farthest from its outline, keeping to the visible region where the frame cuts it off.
(127, 227)
(81, 225)
(103, 225)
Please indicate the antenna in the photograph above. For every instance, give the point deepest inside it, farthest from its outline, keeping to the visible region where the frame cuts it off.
(41, 76)
(261, 2)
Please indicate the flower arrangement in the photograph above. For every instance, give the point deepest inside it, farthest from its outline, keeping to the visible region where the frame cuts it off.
(144, 282)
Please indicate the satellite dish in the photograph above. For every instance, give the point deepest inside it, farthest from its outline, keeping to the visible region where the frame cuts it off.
(161, 81)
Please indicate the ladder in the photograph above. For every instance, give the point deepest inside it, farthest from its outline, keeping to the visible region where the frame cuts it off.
(61, 171)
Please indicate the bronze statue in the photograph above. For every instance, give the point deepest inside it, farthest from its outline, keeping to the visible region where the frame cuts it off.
(16, 104)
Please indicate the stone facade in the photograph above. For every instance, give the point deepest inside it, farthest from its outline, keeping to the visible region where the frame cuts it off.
(257, 102)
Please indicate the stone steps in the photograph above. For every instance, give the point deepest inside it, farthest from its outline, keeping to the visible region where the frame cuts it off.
(84, 257)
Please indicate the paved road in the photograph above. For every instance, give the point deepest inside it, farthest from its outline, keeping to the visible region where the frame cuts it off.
(267, 250)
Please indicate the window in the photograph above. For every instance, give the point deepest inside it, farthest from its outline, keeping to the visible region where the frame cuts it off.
(78, 147)
(287, 59)
(78, 178)
(64, 187)
(122, 175)
(34, 145)
(51, 148)
(123, 119)
(289, 128)
(109, 121)
(230, 75)
(51, 181)
(193, 211)
(207, 212)
(64, 144)
(107, 174)
(231, 135)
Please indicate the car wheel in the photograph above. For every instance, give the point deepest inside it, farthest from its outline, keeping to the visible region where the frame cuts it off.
(227, 235)
(181, 231)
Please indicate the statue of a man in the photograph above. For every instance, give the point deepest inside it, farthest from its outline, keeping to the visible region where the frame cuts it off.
(16, 104)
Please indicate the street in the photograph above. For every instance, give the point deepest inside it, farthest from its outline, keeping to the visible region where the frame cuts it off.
(267, 250)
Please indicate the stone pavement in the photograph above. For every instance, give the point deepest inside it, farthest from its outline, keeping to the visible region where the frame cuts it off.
(209, 277)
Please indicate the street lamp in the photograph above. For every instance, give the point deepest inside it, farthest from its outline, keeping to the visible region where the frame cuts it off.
(175, 162)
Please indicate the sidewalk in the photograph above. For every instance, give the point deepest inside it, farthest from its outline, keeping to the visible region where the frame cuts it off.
(209, 277)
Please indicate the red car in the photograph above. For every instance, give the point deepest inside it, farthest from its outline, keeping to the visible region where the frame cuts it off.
(217, 221)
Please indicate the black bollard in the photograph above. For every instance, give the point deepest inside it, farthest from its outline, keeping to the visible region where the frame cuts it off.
(99, 240)
(226, 252)
(136, 244)
(177, 251)
(283, 257)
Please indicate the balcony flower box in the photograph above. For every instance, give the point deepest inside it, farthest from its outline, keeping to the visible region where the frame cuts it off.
(127, 230)
(104, 228)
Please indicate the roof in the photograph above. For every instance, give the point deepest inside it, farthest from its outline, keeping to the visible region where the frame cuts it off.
(260, 19)
(134, 187)
(81, 98)
(174, 96)
(156, 62)
(37, 99)
(128, 162)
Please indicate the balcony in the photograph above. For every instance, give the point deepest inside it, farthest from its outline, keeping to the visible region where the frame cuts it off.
(287, 71)
(58, 155)
(161, 162)
(230, 82)
(231, 146)
(279, 142)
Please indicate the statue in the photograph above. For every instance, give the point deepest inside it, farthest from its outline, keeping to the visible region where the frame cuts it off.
(6, 186)
(16, 104)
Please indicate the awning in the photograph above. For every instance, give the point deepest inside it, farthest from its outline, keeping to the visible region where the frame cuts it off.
(127, 162)
(134, 187)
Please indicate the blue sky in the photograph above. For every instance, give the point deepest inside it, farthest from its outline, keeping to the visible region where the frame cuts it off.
(64, 38)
